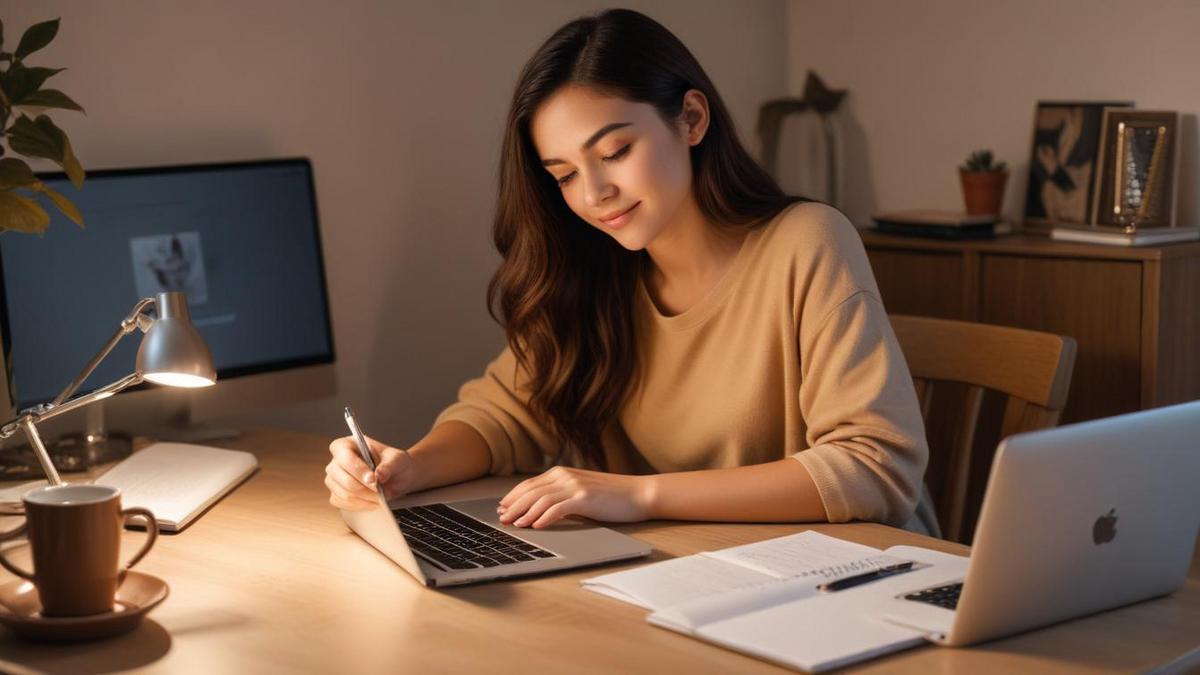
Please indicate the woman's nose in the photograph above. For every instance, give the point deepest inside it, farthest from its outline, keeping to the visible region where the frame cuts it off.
(597, 190)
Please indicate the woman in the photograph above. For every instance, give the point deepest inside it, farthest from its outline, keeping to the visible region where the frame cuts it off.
(685, 341)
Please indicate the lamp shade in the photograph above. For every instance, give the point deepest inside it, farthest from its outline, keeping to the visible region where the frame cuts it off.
(172, 352)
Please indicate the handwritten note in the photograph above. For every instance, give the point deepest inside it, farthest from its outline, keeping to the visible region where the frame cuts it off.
(807, 554)
(809, 558)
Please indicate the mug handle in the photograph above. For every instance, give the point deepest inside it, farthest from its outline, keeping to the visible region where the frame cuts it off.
(13, 534)
(151, 530)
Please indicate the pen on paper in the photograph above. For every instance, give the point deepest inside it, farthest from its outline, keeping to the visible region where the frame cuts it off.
(867, 577)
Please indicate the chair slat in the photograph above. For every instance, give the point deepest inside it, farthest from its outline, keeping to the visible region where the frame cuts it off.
(1033, 369)
(960, 464)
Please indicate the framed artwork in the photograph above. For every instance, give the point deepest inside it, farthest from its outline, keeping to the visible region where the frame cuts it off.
(1063, 162)
(1139, 160)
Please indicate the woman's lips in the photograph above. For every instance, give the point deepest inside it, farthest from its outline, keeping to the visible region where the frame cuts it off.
(622, 218)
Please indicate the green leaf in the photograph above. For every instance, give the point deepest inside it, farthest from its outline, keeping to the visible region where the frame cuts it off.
(41, 138)
(22, 214)
(51, 98)
(15, 173)
(70, 163)
(68, 209)
(22, 81)
(28, 139)
(37, 36)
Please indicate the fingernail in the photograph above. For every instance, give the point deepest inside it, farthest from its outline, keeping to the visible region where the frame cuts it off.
(368, 478)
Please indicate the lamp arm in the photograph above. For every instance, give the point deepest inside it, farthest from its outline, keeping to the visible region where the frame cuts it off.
(135, 320)
(26, 422)
(102, 392)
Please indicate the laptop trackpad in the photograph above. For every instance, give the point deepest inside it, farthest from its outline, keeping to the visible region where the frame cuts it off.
(485, 510)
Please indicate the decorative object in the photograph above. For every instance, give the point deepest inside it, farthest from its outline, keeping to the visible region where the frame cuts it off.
(21, 87)
(818, 173)
(1138, 164)
(1062, 164)
(983, 183)
(172, 353)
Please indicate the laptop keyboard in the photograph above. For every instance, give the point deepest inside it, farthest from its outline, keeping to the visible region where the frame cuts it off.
(942, 596)
(455, 541)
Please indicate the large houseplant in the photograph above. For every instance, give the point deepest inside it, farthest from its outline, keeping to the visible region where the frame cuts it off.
(22, 95)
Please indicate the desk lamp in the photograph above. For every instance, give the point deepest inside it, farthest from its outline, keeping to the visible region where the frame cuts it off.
(172, 353)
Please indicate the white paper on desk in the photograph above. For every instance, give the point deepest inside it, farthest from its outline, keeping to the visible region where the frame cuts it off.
(674, 581)
(790, 623)
(689, 616)
(806, 554)
(813, 556)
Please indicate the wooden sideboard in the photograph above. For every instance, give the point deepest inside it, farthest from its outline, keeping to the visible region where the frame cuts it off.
(1134, 312)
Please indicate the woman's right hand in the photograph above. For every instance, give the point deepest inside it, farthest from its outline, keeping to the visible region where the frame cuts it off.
(351, 482)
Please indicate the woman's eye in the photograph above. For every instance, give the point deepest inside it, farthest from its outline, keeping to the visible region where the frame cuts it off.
(618, 154)
(566, 179)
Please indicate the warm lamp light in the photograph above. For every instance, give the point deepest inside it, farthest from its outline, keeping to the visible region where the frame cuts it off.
(172, 353)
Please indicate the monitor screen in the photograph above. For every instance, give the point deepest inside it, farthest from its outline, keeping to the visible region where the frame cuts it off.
(240, 240)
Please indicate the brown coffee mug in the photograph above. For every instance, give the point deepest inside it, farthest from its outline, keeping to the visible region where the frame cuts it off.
(75, 534)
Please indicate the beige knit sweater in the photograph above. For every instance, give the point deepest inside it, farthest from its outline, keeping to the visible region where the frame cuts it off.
(789, 355)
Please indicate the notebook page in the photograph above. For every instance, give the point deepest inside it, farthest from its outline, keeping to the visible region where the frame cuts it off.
(811, 556)
(674, 581)
(827, 630)
(690, 615)
(806, 554)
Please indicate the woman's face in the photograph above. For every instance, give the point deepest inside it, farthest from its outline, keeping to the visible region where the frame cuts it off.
(619, 166)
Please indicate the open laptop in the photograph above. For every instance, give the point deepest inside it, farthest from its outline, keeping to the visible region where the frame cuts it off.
(1076, 520)
(463, 542)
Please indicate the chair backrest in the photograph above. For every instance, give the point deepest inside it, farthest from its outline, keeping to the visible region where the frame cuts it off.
(1032, 368)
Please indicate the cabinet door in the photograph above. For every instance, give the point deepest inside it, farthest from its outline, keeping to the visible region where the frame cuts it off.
(920, 283)
(1097, 302)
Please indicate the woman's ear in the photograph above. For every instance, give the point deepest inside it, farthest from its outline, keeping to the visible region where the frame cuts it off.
(695, 116)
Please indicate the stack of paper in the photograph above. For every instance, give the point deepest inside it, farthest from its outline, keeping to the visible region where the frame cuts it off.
(762, 599)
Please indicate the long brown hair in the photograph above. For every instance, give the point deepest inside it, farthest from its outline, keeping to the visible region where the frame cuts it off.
(564, 291)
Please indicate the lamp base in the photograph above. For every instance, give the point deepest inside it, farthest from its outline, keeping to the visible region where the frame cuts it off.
(70, 453)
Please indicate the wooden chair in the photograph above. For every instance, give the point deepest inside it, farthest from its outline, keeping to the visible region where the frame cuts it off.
(1031, 368)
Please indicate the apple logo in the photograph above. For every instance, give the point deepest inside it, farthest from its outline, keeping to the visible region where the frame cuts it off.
(1105, 528)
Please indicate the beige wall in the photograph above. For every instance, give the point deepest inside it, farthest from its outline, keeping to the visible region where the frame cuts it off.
(931, 80)
(400, 106)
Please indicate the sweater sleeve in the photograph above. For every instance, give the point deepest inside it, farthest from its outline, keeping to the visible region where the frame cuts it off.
(867, 450)
(496, 406)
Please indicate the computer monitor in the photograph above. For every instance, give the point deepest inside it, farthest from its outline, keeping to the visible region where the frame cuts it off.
(241, 240)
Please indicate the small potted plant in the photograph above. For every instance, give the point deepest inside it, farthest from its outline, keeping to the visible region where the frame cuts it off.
(983, 183)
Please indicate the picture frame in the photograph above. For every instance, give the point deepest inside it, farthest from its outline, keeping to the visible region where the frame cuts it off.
(1136, 185)
(1063, 163)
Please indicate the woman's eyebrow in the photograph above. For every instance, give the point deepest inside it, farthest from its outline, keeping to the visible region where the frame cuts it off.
(592, 140)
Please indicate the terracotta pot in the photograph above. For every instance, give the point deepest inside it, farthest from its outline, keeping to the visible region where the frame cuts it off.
(983, 191)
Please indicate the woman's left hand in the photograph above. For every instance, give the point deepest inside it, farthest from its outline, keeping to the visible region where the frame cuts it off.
(547, 498)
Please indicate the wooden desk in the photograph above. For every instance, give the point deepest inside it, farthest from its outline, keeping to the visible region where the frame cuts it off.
(271, 580)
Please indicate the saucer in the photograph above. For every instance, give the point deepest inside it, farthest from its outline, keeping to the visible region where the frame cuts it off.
(20, 611)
